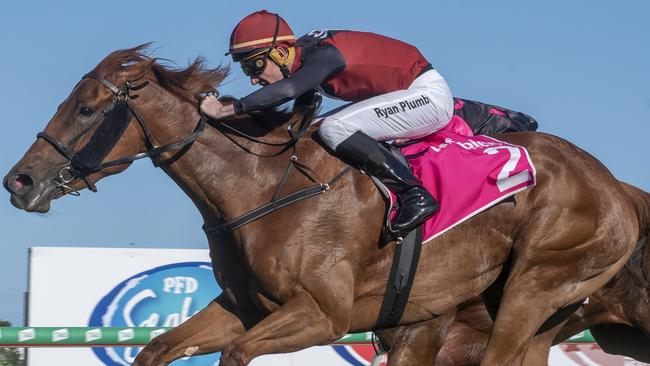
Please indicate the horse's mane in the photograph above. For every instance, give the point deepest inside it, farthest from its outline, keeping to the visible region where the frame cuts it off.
(187, 83)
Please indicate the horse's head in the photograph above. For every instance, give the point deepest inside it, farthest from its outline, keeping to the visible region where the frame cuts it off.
(93, 134)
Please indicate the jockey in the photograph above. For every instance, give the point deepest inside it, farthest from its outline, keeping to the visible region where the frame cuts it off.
(396, 95)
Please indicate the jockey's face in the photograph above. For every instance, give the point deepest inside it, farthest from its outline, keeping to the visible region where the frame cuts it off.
(270, 75)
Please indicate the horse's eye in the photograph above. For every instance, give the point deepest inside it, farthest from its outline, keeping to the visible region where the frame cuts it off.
(85, 111)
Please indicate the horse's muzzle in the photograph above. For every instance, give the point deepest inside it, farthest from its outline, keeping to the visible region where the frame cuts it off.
(26, 194)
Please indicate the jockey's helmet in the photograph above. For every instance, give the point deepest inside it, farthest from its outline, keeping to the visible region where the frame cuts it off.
(255, 39)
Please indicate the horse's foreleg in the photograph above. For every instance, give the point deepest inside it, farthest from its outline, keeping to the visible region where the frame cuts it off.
(517, 321)
(208, 331)
(463, 346)
(415, 344)
(540, 347)
(299, 323)
(529, 299)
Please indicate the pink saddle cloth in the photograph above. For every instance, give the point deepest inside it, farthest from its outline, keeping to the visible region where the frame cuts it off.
(466, 173)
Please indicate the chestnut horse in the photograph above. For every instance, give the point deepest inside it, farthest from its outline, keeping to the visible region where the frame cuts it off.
(618, 315)
(308, 274)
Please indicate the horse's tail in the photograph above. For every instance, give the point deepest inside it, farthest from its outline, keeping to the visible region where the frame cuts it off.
(641, 201)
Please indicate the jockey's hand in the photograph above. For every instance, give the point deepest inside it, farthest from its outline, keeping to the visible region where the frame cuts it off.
(213, 108)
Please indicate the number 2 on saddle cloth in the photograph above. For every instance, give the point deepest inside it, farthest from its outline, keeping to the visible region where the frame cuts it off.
(492, 170)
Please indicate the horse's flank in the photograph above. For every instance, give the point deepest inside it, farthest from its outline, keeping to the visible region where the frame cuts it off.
(618, 314)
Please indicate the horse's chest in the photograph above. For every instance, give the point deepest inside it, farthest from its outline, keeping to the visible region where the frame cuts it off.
(266, 281)
(247, 290)
(272, 280)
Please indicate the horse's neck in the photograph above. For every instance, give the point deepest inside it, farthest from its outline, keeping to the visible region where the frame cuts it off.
(221, 177)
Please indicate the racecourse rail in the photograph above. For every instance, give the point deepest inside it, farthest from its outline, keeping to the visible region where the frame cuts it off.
(136, 336)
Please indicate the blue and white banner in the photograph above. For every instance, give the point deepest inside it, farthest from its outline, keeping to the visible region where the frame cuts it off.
(162, 288)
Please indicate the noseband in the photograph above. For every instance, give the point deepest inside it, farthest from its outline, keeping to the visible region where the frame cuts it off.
(80, 166)
(122, 95)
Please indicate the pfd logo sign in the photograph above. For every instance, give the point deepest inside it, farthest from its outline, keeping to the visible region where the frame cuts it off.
(164, 296)
(358, 355)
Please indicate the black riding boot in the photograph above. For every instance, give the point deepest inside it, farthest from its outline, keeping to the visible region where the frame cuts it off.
(415, 203)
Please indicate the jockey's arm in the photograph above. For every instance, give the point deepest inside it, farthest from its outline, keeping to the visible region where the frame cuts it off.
(321, 63)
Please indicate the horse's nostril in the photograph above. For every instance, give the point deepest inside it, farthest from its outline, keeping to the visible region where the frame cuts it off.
(21, 181)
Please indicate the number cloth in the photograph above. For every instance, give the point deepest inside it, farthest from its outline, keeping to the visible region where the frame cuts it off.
(467, 174)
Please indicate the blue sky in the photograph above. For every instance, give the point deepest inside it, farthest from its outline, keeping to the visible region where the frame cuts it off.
(580, 67)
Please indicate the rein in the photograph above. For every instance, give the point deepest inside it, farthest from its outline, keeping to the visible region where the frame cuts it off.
(82, 171)
(286, 145)
(277, 203)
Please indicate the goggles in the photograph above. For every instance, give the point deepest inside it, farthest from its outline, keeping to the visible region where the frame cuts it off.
(254, 66)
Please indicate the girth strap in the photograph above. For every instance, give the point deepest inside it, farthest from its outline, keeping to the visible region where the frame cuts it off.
(400, 280)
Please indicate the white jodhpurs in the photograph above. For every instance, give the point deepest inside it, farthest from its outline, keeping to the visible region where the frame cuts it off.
(425, 107)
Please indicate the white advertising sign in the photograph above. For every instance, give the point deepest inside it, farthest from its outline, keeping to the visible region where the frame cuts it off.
(93, 287)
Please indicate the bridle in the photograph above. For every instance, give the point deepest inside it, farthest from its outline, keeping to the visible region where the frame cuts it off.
(122, 94)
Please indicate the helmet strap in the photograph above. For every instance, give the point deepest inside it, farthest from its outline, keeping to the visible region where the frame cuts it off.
(275, 35)
(283, 62)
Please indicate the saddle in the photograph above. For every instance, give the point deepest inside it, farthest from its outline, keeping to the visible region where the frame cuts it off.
(493, 171)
